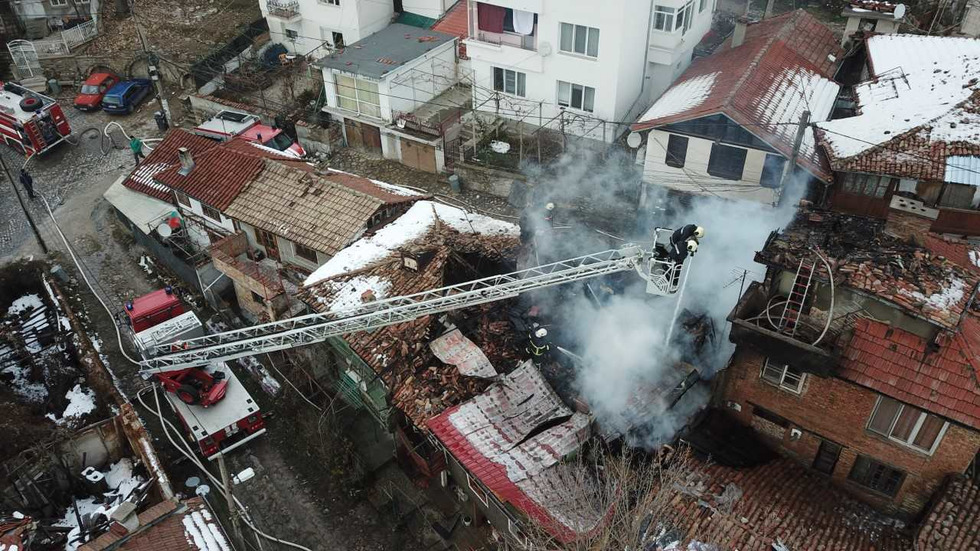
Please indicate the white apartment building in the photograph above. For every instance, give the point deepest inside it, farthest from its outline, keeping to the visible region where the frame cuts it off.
(312, 27)
(576, 65)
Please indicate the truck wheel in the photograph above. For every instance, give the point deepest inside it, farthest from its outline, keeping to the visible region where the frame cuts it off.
(30, 103)
(188, 394)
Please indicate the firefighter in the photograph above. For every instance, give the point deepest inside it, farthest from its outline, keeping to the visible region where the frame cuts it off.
(678, 252)
(538, 345)
(549, 214)
(27, 182)
(690, 231)
(136, 145)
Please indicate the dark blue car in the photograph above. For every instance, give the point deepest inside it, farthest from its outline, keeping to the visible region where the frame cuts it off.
(126, 96)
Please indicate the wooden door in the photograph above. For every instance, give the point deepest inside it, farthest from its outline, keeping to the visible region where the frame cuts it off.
(420, 156)
(371, 136)
(268, 241)
(353, 130)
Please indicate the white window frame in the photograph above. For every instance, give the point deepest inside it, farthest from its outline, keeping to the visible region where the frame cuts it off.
(575, 30)
(290, 37)
(687, 10)
(784, 371)
(701, 5)
(915, 430)
(669, 14)
(518, 534)
(571, 89)
(356, 97)
(58, 3)
(518, 78)
(331, 2)
(296, 253)
(204, 213)
(478, 491)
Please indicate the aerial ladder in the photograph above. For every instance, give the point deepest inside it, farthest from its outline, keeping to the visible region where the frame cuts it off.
(661, 271)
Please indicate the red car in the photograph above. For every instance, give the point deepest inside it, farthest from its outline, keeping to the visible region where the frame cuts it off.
(95, 86)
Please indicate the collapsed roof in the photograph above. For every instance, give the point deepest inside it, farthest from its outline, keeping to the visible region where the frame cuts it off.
(785, 66)
(921, 107)
(867, 260)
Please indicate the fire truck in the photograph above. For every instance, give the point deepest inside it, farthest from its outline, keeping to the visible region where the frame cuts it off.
(665, 276)
(215, 409)
(30, 122)
(229, 124)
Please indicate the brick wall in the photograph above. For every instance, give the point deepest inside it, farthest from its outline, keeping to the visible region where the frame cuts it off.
(837, 410)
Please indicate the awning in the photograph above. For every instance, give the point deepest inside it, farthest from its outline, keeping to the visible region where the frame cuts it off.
(963, 169)
(143, 211)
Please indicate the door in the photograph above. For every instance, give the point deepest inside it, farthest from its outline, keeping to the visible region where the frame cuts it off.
(420, 156)
(371, 136)
(826, 458)
(353, 131)
(268, 242)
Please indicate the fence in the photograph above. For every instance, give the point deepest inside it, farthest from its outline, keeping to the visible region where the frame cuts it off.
(56, 45)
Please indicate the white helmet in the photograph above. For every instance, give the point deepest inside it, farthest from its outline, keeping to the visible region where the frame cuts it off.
(699, 232)
(692, 246)
(541, 333)
(550, 206)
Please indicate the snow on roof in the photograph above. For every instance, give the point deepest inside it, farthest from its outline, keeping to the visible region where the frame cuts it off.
(405, 229)
(794, 91)
(926, 84)
(201, 531)
(686, 95)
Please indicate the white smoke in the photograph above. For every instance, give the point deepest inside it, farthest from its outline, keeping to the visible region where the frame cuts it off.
(623, 344)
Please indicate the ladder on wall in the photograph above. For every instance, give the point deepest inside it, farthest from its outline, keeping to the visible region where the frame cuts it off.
(797, 297)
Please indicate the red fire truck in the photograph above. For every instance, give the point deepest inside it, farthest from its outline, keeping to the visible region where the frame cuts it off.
(30, 122)
(215, 409)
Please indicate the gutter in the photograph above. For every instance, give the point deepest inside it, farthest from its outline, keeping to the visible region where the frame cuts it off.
(646, 64)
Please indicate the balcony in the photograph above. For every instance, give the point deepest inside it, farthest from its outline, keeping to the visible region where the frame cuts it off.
(287, 10)
(755, 321)
(524, 42)
(260, 289)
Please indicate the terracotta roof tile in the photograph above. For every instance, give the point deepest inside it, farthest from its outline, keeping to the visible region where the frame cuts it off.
(162, 158)
(455, 21)
(217, 177)
(953, 521)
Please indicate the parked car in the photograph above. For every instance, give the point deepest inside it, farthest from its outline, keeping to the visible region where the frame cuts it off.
(95, 86)
(126, 96)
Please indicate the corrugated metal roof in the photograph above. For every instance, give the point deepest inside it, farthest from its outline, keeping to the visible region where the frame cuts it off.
(385, 51)
(963, 169)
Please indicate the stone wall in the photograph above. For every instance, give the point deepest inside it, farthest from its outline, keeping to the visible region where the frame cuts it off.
(487, 180)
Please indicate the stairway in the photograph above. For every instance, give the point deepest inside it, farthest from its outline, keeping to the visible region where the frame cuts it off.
(798, 295)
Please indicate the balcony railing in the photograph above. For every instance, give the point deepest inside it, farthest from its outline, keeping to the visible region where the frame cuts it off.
(755, 322)
(284, 9)
(526, 42)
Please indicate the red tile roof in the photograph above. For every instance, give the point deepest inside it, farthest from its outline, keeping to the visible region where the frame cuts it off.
(958, 251)
(163, 157)
(366, 186)
(751, 82)
(455, 21)
(753, 509)
(217, 177)
(898, 364)
(953, 522)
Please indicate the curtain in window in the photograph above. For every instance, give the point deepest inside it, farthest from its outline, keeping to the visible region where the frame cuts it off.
(523, 22)
(928, 432)
(490, 18)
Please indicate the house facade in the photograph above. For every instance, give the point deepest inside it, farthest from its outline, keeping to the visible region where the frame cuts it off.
(864, 381)
(390, 91)
(570, 66)
(40, 19)
(728, 126)
(315, 27)
(912, 143)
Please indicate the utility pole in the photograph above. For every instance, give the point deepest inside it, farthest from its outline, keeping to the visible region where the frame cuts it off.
(151, 61)
(791, 163)
(30, 220)
(232, 509)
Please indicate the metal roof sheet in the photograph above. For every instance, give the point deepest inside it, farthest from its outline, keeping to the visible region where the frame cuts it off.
(963, 169)
(384, 51)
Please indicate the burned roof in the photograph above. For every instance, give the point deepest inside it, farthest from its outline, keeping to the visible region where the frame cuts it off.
(779, 505)
(868, 260)
(168, 526)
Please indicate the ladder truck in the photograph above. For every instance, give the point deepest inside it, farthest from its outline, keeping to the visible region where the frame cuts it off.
(665, 276)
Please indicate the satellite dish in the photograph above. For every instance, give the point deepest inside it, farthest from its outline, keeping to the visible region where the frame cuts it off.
(634, 140)
(544, 49)
(164, 231)
(899, 11)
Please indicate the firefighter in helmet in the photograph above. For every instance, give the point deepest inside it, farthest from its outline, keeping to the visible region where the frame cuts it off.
(537, 345)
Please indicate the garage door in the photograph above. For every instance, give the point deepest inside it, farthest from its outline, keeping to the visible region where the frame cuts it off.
(362, 135)
(420, 156)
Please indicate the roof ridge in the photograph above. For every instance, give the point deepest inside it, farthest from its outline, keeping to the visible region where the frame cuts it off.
(758, 57)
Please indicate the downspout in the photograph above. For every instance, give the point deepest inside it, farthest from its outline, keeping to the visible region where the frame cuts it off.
(646, 61)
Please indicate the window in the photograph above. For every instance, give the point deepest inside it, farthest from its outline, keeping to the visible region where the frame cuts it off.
(478, 490)
(338, 40)
(772, 171)
(59, 3)
(663, 19)
(869, 185)
(576, 96)
(876, 476)
(721, 129)
(509, 82)
(291, 34)
(701, 5)
(330, 2)
(826, 458)
(783, 376)
(957, 196)
(579, 39)
(257, 298)
(183, 199)
(684, 17)
(906, 424)
(305, 253)
(676, 151)
(726, 162)
(211, 213)
(358, 95)
(774, 418)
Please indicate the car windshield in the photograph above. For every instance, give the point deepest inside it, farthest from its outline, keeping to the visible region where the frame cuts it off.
(279, 142)
(111, 100)
(90, 89)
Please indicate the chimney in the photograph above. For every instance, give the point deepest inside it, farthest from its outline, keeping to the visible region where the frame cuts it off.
(739, 35)
(186, 161)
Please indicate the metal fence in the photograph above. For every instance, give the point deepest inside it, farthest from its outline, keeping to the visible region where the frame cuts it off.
(27, 52)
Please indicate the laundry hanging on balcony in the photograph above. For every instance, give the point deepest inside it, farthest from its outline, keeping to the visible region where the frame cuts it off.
(523, 22)
(490, 18)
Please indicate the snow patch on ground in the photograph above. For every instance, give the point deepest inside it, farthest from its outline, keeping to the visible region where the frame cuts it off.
(81, 401)
(410, 226)
(348, 293)
(202, 533)
(25, 303)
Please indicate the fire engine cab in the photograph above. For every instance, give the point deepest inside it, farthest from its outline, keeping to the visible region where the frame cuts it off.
(215, 409)
(30, 122)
